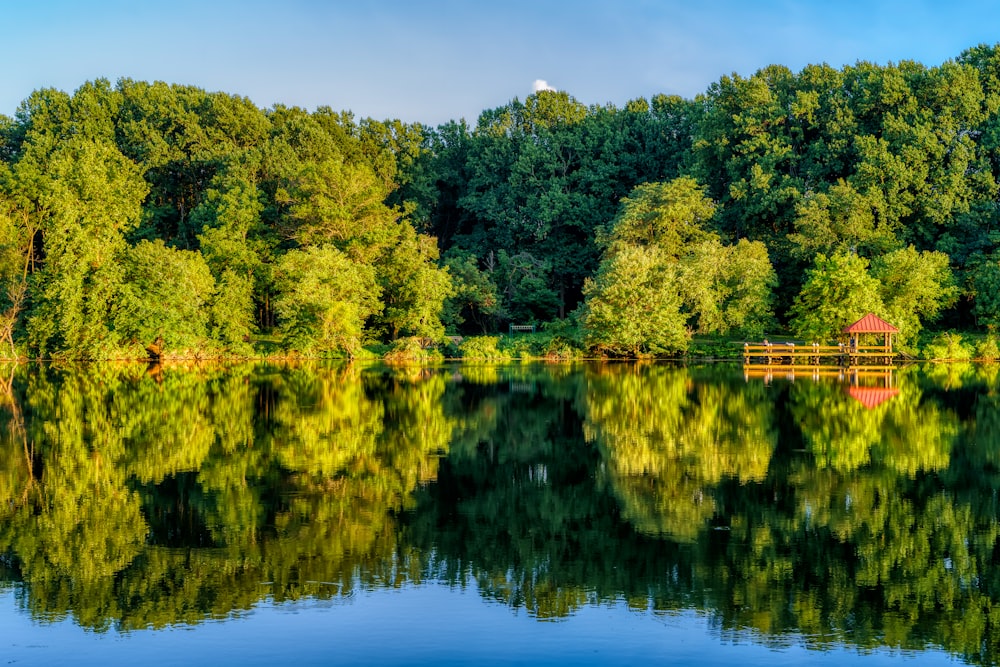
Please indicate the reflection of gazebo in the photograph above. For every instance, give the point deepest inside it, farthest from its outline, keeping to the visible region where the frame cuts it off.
(874, 326)
(872, 397)
(871, 389)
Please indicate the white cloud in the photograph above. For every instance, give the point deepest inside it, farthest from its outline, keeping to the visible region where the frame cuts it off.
(541, 84)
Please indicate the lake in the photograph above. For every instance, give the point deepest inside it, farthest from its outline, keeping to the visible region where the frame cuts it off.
(258, 514)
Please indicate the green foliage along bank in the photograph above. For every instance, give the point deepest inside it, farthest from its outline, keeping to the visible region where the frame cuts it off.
(143, 212)
(137, 212)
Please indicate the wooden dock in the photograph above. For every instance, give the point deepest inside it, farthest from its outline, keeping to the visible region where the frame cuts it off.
(815, 355)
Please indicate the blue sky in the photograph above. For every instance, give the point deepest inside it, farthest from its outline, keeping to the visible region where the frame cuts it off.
(436, 60)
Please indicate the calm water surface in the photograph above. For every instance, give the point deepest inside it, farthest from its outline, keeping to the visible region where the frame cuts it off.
(604, 514)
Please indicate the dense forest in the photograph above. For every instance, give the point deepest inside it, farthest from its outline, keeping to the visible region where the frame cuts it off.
(145, 215)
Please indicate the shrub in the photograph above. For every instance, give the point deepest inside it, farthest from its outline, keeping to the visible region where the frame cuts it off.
(482, 347)
(710, 348)
(559, 339)
(948, 346)
(411, 350)
(987, 349)
(520, 346)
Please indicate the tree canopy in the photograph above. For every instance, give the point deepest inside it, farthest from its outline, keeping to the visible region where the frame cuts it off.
(665, 274)
(505, 221)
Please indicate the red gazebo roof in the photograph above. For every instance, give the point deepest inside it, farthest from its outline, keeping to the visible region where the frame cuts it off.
(870, 323)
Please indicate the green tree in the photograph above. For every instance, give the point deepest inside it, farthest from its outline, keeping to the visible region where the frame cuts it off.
(91, 196)
(632, 305)
(414, 287)
(181, 137)
(839, 220)
(915, 287)
(985, 291)
(231, 319)
(237, 247)
(334, 201)
(714, 288)
(323, 299)
(747, 153)
(17, 252)
(838, 290)
(524, 281)
(670, 216)
(727, 289)
(474, 293)
(539, 178)
(166, 293)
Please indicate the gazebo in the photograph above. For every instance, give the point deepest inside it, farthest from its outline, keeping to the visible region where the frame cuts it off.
(871, 325)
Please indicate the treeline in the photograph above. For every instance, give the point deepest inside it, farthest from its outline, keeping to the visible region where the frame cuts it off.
(139, 212)
(134, 212)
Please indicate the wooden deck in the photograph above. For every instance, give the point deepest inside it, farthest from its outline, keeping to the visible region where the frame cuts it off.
(815, 356)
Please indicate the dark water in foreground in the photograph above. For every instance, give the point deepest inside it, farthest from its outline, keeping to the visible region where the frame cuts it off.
(604, 514)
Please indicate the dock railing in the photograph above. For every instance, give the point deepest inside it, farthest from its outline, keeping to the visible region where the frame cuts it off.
(813, 354)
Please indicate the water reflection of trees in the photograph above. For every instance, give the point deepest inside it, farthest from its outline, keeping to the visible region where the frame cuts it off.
(903, 433)
(667, 440)
(775, 508)
(146, 503)
(860, 525)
